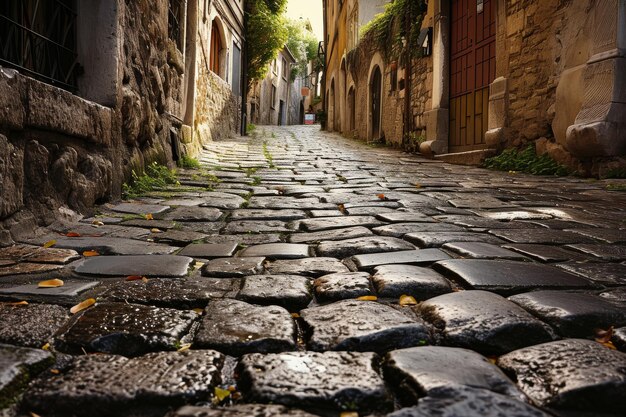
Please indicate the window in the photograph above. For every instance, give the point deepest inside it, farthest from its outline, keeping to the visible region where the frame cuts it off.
(273, 97)
(174, 21)
(274, 67)
(285, 69)
(216, 49)
(39, 38)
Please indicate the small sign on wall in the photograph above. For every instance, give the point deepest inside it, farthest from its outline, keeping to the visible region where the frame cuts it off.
(309, 119)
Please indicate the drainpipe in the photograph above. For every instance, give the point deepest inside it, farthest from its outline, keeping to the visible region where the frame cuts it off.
(406, 129)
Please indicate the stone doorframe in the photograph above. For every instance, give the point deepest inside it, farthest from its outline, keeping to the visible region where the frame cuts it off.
(377, 61)
(438, 118)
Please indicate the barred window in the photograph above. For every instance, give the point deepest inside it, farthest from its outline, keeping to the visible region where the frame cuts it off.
(38, 38)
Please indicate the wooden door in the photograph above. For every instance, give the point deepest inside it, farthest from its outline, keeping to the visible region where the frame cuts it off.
(472, 69)
(376, 85)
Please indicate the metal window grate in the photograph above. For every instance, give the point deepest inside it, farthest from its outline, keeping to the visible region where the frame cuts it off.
(175, 16)
(38, 37)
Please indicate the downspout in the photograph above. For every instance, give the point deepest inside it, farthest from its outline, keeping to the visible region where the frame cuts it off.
(406, 129)
(244, 75)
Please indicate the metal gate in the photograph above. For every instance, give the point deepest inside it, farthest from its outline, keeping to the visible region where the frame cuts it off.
(472, 69)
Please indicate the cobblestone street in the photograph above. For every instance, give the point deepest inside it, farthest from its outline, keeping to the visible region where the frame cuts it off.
(298, 273)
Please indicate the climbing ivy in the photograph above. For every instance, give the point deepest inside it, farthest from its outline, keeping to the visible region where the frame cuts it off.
(389, 28)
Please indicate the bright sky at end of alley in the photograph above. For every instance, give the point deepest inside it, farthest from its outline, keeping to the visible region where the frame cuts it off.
(308, 9)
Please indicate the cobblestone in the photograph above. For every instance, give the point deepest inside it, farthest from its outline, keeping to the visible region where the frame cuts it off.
(299, 341)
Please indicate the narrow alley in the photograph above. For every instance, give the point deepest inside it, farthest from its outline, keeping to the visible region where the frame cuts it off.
(300, 273)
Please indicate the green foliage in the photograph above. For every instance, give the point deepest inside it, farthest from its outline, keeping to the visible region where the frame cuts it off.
(250, 127)
(616, 187)
(268, 155)
(303, 46)
(526, 161)
(266, 33)
(154, 177)
(187, 161)
(615, 173)
(389, 27)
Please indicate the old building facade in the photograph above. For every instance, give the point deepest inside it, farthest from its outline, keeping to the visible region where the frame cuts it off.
(92, 90)
(498, 74)
(271, 100)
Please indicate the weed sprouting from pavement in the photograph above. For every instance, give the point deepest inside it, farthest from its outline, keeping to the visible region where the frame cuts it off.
(154, 177)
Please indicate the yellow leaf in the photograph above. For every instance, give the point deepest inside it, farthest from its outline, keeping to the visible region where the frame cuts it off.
(149, 216)
(51, 283)
(55, 371)
(46, 346)
(610, 345)
(17, 303)
(184, 347)
(349, 414)
(50, 243)
(407, 300)
(221, 394)
(367, 298)
(34, 415)
(493, 359)
(82, 305)
(198, 310)
(144, 280)
(97, 223)
(155, 230)
(89, 253)
(604, 336)
(295, 315)
(198, 265)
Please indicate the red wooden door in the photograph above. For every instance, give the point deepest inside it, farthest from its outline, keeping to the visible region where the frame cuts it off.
(472, 69)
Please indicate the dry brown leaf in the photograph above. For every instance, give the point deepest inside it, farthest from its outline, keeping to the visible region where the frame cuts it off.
(55, 371)
(144, 280)
(221, 394)
(97, 223)
(149, 216)
(198, 310)
(155, 230)
(17, 303)
(407, 300)
(349, 414)
(342, 209)
(34, 415)
(604, 336)
(418, 185)
(295, 315)
(89, 253)
(493, 359)
(133, 278)
(610, 345)
(51, 283)
(82, 305)
(367, 298)
(382, 197)
(72, 234)
(50, 243)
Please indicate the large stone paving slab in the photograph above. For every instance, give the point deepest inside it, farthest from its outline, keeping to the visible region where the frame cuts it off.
(183, 293)
(572, 374)
(437, 239)
(112, 245)
(330, 380)
(277, 251)
(362, 245)
(125, 329)
(290, 291)
(17, 367)
(66, 294)
(209, 250)
(252, 214)
(235, 328)
(107, 385)
(30, 325)
(289, 203)
(609, 274)
(509, 277)
(484, 322)
(469, 402)
(547, 253)
(328, 223)
(233, 267)
(393, 281)
(140, 208)
(343, 285)
(605, 235)
(256, 226)
(334, 234)
(193, 214)
(241, 410)
(546, 236)
(605, 252)
(143, 265)
(313, 267)
(223, 200)
(411, 257)
(572, 314)
(429, 370)
(38, 254)
(480, 250)
(357, 325)
(179, 237)
(404, 216)
(401, 229)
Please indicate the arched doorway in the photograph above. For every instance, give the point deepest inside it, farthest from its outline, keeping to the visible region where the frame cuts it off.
(340, 114)
(217, 58)
(332, 109)
(375, 102)
(351, 109)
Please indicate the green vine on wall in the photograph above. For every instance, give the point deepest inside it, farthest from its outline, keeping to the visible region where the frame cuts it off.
(389, 28)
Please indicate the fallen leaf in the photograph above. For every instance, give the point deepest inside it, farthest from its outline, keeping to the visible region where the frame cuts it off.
(184, 347)
(232, 388)
(144, 280)
(149, 216)
(97, 223)
(51, 283)
(221, 394)
(342, 209)
(198, 265)
(418, 185)
(349, 414)
(82, 305)
(89, 253)
(382, 197)
(50, 243)
(46, 346)
(55, 371)
(367, 298)
(512, 172)
(155, 230)
(295, 315)
(72, 234)
(34, 415)
(17, 303)
(610, 345)
(407, 300)
(604, 336)
(198, 310)
(492, 359)
(133, 278)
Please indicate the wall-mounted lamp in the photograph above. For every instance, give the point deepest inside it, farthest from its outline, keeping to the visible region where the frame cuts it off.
(425, 41)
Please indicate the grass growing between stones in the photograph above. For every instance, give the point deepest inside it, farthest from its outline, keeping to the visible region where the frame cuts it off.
(154, 177)
(187, 161)
(526, 161)
(268, 155)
